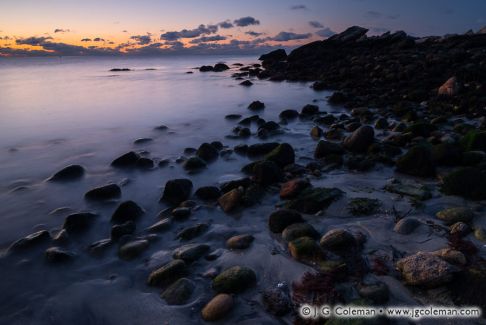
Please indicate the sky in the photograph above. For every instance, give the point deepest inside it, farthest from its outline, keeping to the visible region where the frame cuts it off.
(156, 27)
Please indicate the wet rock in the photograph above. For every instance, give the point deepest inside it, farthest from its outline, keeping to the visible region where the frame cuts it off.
(350, 34)
(381, 124)
(446, 154)
(337, 239)
(276, 301)
(473, 158)
(192, 232)
(273, 56)
(256, 106)
(316, 132)
(106, 192)
(325, 148)
(312, 200)
(142, 140)
(241, 149)
(246, 83)
(160, 226)
(309, 110)
(363, 206)
(328, 120)
(206, 68)
(163, 163)
(234, 280)
(161, 128)
(78, 222)
(217, 308)
(297, 230)
(260, 149)
(207, 152)
(460, 228)
(293, 188)
(231, 185)
(282, 155)
(360, 140)
(451, 256)
(144, 163)
(468, 182)
(406, 226)
(229, 201)
(219, 67)
(98, 247)
(168, 273)
(181, 213)
(267, 173)
(376, 292)
(480, 234)
(417, 162)
(449, 88)
(474, 140)
(190, 252)
(69, 173)
(177, 191)
(179, 292)
(127, 160)
(289, 114)
(281, 219)
(240, 241)
(58, 255)
(62, 237)
(408, 188)
(126, 228)
(128, 210)
(305, 249)
(457, 214)
(425, 269)
(208, 193)
(233, 116)
(194, 163)
(133, 249)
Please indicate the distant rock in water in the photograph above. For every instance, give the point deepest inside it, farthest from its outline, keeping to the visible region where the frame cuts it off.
(206, 68)
(127, 160)
(127, 211)
(69, 173)
(246, 83)
(177, 191)
(106, 192)
(120, 70)
(220, 67)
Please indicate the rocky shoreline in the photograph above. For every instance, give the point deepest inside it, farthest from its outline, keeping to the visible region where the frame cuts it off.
(431, 152)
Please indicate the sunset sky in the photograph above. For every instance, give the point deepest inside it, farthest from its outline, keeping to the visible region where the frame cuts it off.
(151, 27)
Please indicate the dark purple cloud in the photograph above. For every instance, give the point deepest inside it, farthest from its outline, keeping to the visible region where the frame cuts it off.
(98, 39)
(226, 24)
(206, 39)
(315, 24)
(60, 30)
(86, 40)
(33, 41)
(289, 36)
(142, 39)
(189, 33)
(253, 34)
(246, 21)
(298, 7)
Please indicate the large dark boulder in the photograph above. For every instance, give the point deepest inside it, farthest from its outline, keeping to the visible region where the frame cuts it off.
(274, 56)
(360, 140)
(282, 155)
(69, 173)
(417, 162)
(177, 191)
(468, 182)
(351, 34)
(106, 192)
(127, 211)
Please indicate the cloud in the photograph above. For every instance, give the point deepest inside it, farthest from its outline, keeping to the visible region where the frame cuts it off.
(60, 30)
(189, 33)
(86, 40)
(246, 21)
(98, 39)
(142, 39)
(206, 39)
(289, 36)
(373, 14)
(315, 24)
(33, 41)
(253, 33)
(325, 32)
(226, 24)
(298, 7)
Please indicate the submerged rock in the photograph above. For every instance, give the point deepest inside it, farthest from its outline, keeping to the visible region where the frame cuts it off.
(192, 232)
(194, 163)
(363, 206)
(304, 249)
(179, 292)
(127, 160)
(77, 222)
(406, 226)
(208, 193)
(133, 249)
(207, 152)
(128, 210)
(168, 273)
(408, 188)
(256, 106)
(126, 228)
(312, 200)
(217, 308)
(276, 301)
(425, 269)
(453, 215)
(240, 241)
(337, 239)
(58, 255)
(69, 173)
(234, 280)
(106, 192)
(297, 230)
(281, 219)
(468, 182)
(282, 155)
(177, 191)
(29, 241)
(190, 252)
(246, 83)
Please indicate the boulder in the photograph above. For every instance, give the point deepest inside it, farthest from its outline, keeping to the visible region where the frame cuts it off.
(240, 241)
(468, 182)
(425, 269)
(78, 222)
(106, 192)
(177, 191)
(276, 301)
(256, 106)
(208, 193)
(29, 241)
(179, 292)
(363, 206)
(126, 160)
(190, 252)
(312, 200)
(292, 188)
(337, 239)
(305, 249)
(351, 34)
(58, 255)
(282, 155)
(132, 249)
(417, 162)
(325, 148)
(69, 173)
(192, 231)
(168, 273)
(229, 201)
(406, 226)
(297, 230)
(457, 214)
(194, 163)
(449, 88)
(120, 230)
(128, 210)
(207, 152)
(217, 308)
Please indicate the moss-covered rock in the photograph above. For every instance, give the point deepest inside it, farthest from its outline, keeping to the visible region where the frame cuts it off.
(298, 230)
(179, 292)
(417, 162)
(312, 200)
(446, 154)
(167, 273)
(474, 140)
(305, 248)
(363, 206)
(456, 214)
(282, 155)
